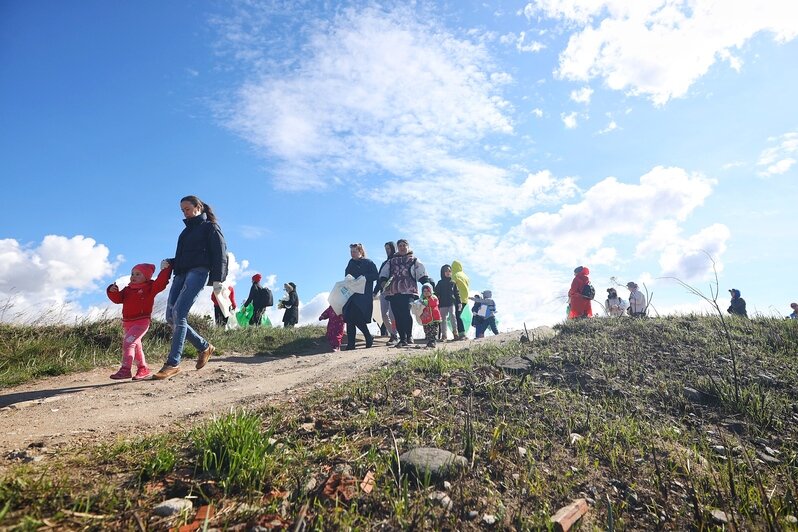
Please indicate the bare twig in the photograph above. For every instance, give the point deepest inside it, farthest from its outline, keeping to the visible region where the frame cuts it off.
(712, 299)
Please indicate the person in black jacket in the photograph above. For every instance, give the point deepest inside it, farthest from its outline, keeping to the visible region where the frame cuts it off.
(291, 306)
(359, 307)
(448, 298)
(260, 297)
(737, 306)
(200, 260)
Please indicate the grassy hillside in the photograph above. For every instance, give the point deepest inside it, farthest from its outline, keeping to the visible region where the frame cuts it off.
(28, 353)
(643, 418)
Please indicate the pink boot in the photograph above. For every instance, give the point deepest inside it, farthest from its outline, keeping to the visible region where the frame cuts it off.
(123, 373)
(143, 373)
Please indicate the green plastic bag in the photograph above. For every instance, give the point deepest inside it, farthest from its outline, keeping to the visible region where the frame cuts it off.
(265, 321)
(465, 315)
(244, 315)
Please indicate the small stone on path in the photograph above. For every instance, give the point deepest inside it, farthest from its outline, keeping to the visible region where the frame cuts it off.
(439, 464)
(172, 507)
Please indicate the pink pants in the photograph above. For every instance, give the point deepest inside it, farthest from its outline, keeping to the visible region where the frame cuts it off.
(131, 342)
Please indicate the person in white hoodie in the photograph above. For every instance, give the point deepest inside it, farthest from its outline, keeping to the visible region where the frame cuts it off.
(614, 305)
(637, 301)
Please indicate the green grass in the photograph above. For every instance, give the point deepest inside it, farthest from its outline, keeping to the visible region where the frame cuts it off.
(33, 352)
(602, 415)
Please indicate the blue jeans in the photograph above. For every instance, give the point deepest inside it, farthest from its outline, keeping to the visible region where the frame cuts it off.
(185, 289)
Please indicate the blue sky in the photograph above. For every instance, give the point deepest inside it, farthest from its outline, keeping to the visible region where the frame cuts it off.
(521, 138)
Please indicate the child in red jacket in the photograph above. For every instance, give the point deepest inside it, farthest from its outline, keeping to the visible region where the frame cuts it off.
(335, 327)
(137, 299)
(431, 315)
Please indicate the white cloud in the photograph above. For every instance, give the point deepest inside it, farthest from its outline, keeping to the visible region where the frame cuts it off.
(582, 95)
(612, 126)
(778, 159)
(659, 48)
(522, 45)
(569, 120)
(689, 259)
(537, 112)
(253, 232)
(43, 280)
(373, 91)
(614, 208)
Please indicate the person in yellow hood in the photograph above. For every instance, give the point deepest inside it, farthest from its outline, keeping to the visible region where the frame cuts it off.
(461, 281)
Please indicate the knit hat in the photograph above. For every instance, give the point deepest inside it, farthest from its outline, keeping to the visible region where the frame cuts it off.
(631, 284)
(427, 285)
(487, 294)
(292, 285)
(256, 278)
(146, 269)
(734, 292)
(793, 305)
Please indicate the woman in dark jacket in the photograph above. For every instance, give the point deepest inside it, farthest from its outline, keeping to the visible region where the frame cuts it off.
(359, 307)
(291, 306)
(448, 299)
(200, 260)
(260, 297)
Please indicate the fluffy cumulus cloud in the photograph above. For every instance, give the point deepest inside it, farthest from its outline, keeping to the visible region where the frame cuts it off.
(780, 157)
(576, 230)
(389, 93)
(582, 95)
(42, 281)
(659, 48)
(373, 91)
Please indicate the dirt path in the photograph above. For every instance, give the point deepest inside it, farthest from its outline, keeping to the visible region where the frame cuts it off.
(89, 406)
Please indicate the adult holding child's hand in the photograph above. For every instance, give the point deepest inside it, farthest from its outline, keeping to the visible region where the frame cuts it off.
(200, 260)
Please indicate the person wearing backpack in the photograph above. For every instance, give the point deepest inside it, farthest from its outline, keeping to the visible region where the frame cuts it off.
(614, 305)
(737, 306)
(260, 297)
(580, 294)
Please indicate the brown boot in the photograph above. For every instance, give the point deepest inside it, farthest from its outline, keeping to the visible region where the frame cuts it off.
(203, 357)
(166, 372)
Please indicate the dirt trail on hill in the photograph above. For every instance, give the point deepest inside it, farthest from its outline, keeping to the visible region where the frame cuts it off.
(86, 407)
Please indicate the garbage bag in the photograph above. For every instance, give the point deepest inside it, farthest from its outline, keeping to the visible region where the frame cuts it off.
(343, 290)
(244, 315)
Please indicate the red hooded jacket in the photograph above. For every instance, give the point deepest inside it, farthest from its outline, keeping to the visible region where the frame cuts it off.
(137, 299)
(580, 305)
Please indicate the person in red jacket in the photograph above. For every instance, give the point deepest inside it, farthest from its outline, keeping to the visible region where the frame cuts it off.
(137, 299)
(580, 305)
(430, 315)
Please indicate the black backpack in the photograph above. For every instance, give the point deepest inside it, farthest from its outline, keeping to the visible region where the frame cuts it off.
(588, 291)
(264, 297)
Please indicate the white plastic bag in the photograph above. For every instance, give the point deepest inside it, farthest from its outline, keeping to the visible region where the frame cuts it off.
(223, 298)
(416, 308)
(343, 290)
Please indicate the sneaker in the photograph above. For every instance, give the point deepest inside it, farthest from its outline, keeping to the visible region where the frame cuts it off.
(401, 343)
(143, 373)
(166, 372)
(369, 342)
(336, 349)
(390, 342)
(121, 374)
(203, 357)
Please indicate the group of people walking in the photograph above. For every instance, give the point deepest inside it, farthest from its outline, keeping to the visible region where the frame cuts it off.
(394, 286)
(581, 294)
(201, 260)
